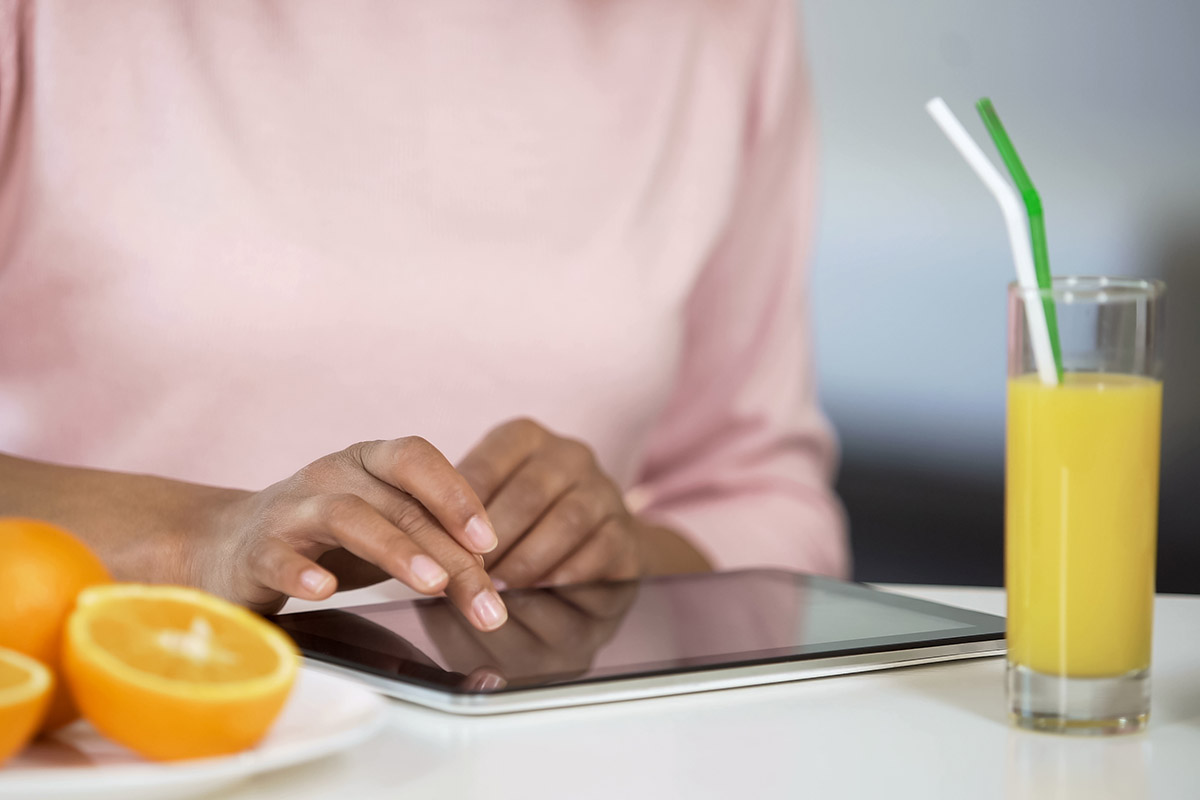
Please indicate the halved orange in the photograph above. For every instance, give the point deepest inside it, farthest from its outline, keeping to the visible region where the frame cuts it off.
(25, 688)
(172, 672)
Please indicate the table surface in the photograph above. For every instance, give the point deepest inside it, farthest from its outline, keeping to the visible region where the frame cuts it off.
(929, 731)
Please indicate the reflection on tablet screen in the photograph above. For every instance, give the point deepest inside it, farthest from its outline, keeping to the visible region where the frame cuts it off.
(626, 628)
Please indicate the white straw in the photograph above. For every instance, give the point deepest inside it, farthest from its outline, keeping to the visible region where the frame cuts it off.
(1018, 233)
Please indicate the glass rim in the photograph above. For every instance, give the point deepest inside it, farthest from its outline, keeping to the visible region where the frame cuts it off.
(1093, 289)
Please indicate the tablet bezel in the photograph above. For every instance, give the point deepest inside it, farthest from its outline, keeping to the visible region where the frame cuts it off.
(983, 636)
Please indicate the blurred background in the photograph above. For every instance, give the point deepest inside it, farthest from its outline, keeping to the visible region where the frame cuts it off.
(1102, 99)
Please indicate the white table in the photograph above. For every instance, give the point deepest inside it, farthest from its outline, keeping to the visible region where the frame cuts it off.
(922, 732)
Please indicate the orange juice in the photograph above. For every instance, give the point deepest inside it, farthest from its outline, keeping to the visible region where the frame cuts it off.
(1080, 521)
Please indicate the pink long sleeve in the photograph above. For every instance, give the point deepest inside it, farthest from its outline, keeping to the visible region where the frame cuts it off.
(232, 241)
(742, 457)
(12, 19)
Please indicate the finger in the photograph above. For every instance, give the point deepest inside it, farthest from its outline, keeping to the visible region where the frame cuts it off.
(402, 510)
(351, 571)
(532, 491)
(466, 648)
(600, 600)
(484, 679)
(277, 566)
(560, 531)
(417, 468)
(517, 650)
(514, 649)
(499, 453)
(608, 554)
(350, 522)
(418, 553)
(456, 639)
(558, 624)
(470, 588)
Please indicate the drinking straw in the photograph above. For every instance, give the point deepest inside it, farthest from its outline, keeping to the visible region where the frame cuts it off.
(1033, 209)
(1018, 232)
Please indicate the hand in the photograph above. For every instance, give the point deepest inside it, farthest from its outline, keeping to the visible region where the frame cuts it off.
(372, 511)
(558, 517)
(550, 633)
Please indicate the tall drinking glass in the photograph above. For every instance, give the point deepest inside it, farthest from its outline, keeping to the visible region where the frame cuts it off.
(1081, 507)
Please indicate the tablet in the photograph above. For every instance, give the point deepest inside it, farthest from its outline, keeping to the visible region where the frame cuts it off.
(603, 642)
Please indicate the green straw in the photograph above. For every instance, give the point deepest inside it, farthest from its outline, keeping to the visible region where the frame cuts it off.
(1037, 223)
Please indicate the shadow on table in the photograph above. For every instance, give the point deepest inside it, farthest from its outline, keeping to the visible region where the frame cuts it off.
(398, 764)
(976, 687)
(1184, 692)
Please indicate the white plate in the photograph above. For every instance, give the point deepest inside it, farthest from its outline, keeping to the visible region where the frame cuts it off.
(325, 714)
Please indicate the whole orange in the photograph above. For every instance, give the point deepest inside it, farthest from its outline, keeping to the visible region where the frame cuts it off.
(42, 569)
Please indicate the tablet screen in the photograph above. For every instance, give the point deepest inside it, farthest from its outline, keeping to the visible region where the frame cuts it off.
(629, 629)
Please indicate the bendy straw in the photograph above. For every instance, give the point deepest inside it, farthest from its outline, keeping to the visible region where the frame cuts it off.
(1033, 210)
(1018, 232)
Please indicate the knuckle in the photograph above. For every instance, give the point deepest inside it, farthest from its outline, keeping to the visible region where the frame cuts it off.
(265, 556)
(565, 576)
(528, 428)
(417, 445)
(614, 531)
(595, 635)
(477, 473)
(464, 570)
(396, 553)
(531, 492)
(427, 535)
(575, 513)
(414, 455)
(577, 453)
(321, 472)
(340, 508)
(516, 570)
(607, 488)
(575, 638)
(353, 456)
(538, 482)
(608, 540)
(459, 500)
(402, 452)
(412, 518)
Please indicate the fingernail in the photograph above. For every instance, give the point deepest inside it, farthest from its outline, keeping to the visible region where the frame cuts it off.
(499, 584)
(480, 535)
(490, 682)
(314, 580)
(488, 609)
(428, 571)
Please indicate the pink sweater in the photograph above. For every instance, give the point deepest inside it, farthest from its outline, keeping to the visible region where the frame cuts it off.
(235, 236)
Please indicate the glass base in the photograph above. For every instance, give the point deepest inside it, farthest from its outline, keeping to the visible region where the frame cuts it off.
(1079, 706)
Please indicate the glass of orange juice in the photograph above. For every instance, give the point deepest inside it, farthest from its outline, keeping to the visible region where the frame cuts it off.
(1081, 506)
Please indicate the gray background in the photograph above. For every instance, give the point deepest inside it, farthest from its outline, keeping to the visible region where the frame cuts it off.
(1102, 99)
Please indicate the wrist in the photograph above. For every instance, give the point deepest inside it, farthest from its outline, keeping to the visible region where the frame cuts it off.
(206, 534)
(182, 533)
(143, 528)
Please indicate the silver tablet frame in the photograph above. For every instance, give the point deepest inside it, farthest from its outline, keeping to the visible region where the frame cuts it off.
(635, 687)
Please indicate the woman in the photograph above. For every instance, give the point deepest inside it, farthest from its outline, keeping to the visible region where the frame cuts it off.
(562, 243)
